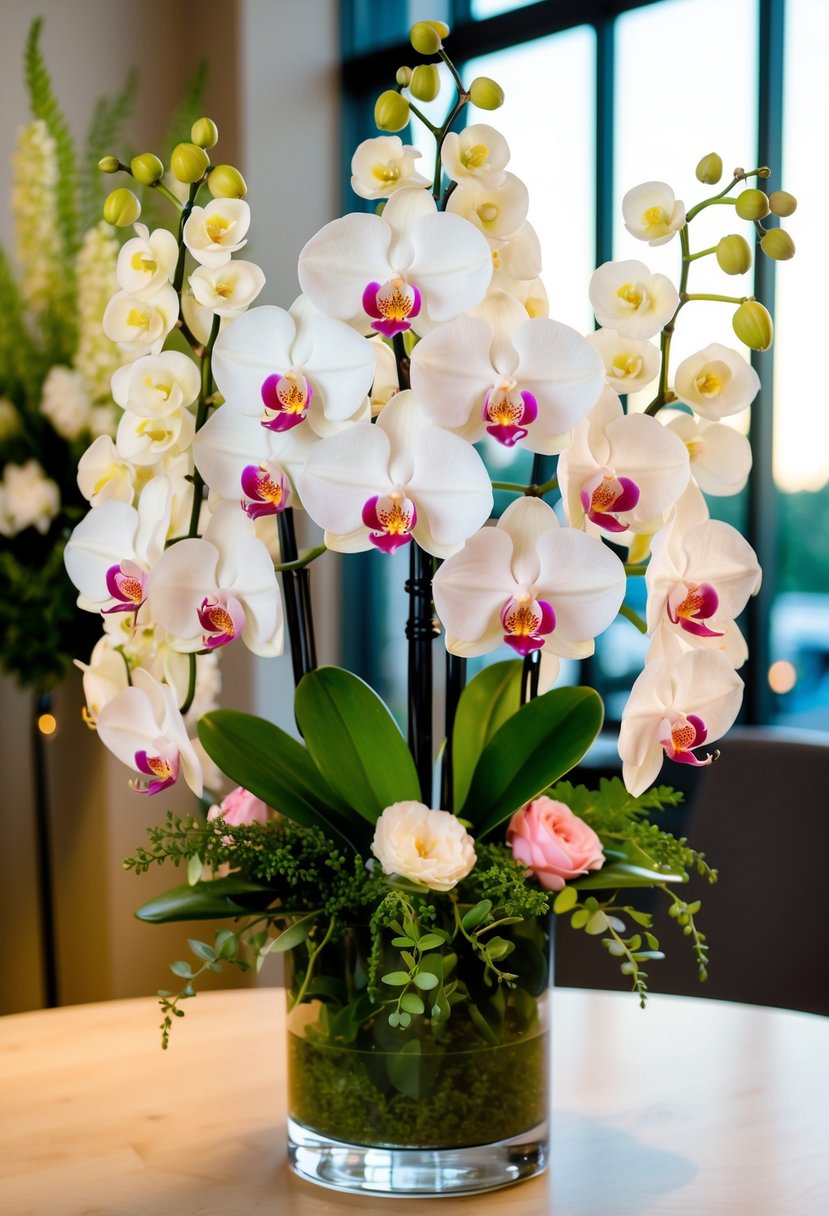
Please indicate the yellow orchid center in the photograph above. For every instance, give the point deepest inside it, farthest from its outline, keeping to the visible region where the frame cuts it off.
(139, 318)
(142, 261)
(655, 217)
(216, 228)
(474, 156)
(626, 367)
(386, 173)
(163, 387)
(487, 213)
(631, 294)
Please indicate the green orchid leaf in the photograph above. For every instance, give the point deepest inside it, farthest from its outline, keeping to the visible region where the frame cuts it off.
(485, 704)
(530, 750)
(619, 874)
(212, 900)
(354, 741)
(276, 768)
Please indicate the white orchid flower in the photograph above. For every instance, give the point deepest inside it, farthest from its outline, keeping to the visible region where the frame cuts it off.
(652, 213)
(208, 592)
(104, 475)
(520, 379)
(477, 154)
(143, 441)
(104, 676)
(625, 296)
(678, 703)
(142, 726)
(380, 485)
(629, 364)
(413, 267)
(699, 579)
(528, 583)
(140, 324)
(156, 385)
(281, 367)
(382, 165)
(498, 210)
(147, 262)
(229, 289)
(112, 549)
(386, 381)
(199, 320)
(720, 455)
(623, 471)
(518, 257)
(716, 382)
(214, 232)
(229, 445)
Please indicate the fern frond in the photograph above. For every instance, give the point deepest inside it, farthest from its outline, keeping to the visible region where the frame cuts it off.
(103, 137)
(19, 372)
(187, 110)
(44, 105)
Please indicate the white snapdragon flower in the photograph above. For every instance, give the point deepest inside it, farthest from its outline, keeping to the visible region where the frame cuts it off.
(528, 583)
(143, 441)
(652, 213)
(28, 499)
(716, 382)
(65, 402)
(229, 289)
(97, 356)
(140, 325)
(498, 210)
(629, 364)
(156, 385)
(477, 154)
(720, 455)
(625, 296)
(214, 232)
(147, 262)
(381, 166)
(424, 845)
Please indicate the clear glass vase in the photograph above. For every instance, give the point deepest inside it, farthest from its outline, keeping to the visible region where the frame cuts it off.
(446, 1105)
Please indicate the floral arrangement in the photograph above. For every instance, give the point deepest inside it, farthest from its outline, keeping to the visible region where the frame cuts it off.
(421, 338)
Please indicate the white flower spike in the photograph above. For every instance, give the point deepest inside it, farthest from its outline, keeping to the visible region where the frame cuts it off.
(651, 212)
(627, 297)
(716, 382)
(381, 166)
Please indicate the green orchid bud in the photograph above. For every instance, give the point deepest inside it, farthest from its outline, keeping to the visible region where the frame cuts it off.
(782, 203)
(109, 164)
(734, 254)
(753, 325)
(146, 169)
(224, 181)
(486, 94)
(425, 37)
(391, 111)
(205, 133)
(777, 244)
(709, 169)
(121, 208)
(752, 205)
(403, 77)
(189, 162)
(425, 83)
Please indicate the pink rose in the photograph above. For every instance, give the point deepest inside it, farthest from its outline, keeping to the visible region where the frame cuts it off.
(240, 808)
(553, 842)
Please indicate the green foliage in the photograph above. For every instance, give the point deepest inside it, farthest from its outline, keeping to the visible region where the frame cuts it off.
(533, 747)
(44, 105)
(19, 378)
(484, 705)
(354, 741)
(104, 132)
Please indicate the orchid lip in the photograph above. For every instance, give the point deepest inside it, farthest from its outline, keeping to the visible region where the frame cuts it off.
(125, 583)
(391, 305)
(508, 414)
(222, 622)
(526, 622)
(605, 496)
(391, 518)
(269, 494)
(690, 605)
(162, 769)
(286, 400)
(680, 737)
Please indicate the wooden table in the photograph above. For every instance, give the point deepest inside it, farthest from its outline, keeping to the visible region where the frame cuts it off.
(695, 1107)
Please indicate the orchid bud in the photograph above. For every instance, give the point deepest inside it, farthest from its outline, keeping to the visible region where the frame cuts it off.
(425, 37)
(486, 94)
(225, 181)
(734, 254)
(777, 244)
(121, 208)
(146, 169)
(752, 324)
(403, 77)
(391, 111)
(425, 83)
(109, 164)
(752, 205)
(709, 169)
(205, 133)
(189, 162)
(782, 203)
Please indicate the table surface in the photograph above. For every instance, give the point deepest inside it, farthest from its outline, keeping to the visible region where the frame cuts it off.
(695, 1107)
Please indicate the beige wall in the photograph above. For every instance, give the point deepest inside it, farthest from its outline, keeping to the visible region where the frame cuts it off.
(273, 91)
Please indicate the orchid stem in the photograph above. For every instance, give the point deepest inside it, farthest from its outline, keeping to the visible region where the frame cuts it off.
(420, 633)
(631, 615)
(455, 681)
(301, 562)
(191, 685)
(296, 590)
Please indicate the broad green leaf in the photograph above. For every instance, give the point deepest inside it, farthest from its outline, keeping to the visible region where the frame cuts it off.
(195, 869)
(566, 899)
(412, 1003)
(201, 949)
(425, 981)
(182, 969)
(485, 704)
(396, 979)
(212, 900)
(476, 915)
(621, 874)
(294, 935)
(354, 741)
(532, 749)
(276, 768)
(431, 941)
(403, 1066)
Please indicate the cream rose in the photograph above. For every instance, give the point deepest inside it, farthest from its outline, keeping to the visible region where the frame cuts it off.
(553, 842)
(431, 847)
